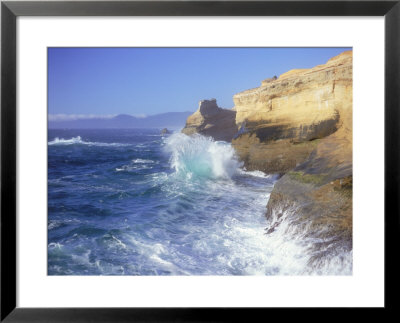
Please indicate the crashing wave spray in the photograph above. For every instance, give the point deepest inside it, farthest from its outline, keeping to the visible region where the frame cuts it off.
(201, 156)
(296, 249)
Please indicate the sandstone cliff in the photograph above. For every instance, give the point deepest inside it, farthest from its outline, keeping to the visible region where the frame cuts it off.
(300, 126)
(211, 120)
(281, 119)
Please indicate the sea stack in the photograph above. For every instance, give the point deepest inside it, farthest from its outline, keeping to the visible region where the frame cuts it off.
(213, 121)
(165, 131)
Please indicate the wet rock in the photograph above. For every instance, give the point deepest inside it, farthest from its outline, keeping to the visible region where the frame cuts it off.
(165, 131)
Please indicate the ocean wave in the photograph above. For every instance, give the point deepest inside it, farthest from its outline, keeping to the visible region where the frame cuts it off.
(137, 164)
(143, 161)
(53, 224)
(204, 216)
(201, 156)
(54, 245)
(130, 168)
(78, 141)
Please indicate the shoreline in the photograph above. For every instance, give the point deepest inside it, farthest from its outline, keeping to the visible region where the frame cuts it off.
(300, 127)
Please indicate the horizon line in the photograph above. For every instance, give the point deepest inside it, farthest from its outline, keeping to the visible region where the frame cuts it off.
(55, 117)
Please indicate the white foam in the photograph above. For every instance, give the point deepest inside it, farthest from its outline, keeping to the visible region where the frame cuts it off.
(55, 245)
(137, 164)
(142, 161)
(78, 141)
(258, 173)
(129, 168)
(290, 247)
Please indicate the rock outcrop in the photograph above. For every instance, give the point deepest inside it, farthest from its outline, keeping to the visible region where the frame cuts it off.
(165, 131)
(211, 120)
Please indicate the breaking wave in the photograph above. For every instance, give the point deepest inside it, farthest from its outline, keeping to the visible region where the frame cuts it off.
(78, 141)
(201, 156)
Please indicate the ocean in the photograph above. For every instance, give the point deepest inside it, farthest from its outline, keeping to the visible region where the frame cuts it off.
(135, 202)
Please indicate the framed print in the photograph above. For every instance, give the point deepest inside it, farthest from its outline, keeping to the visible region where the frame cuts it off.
(193, 160)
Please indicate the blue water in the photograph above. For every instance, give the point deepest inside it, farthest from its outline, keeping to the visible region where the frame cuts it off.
(134, 202)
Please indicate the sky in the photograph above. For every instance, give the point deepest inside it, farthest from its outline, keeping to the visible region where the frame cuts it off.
(102, 82)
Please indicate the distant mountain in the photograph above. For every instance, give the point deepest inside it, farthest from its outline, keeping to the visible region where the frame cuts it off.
(172, 120)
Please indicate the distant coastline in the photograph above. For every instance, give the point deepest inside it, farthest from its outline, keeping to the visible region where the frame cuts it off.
(170, 120)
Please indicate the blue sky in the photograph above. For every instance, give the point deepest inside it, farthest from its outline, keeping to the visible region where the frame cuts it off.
(146, 81)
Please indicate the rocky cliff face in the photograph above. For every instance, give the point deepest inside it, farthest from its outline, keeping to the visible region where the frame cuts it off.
(300, 126)
(282, 119)
(211, 120)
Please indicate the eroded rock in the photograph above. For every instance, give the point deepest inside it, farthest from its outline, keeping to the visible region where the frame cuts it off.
(211, 120)
(284, 116)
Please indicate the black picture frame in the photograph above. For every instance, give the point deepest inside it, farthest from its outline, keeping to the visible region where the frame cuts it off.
(10, 10)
